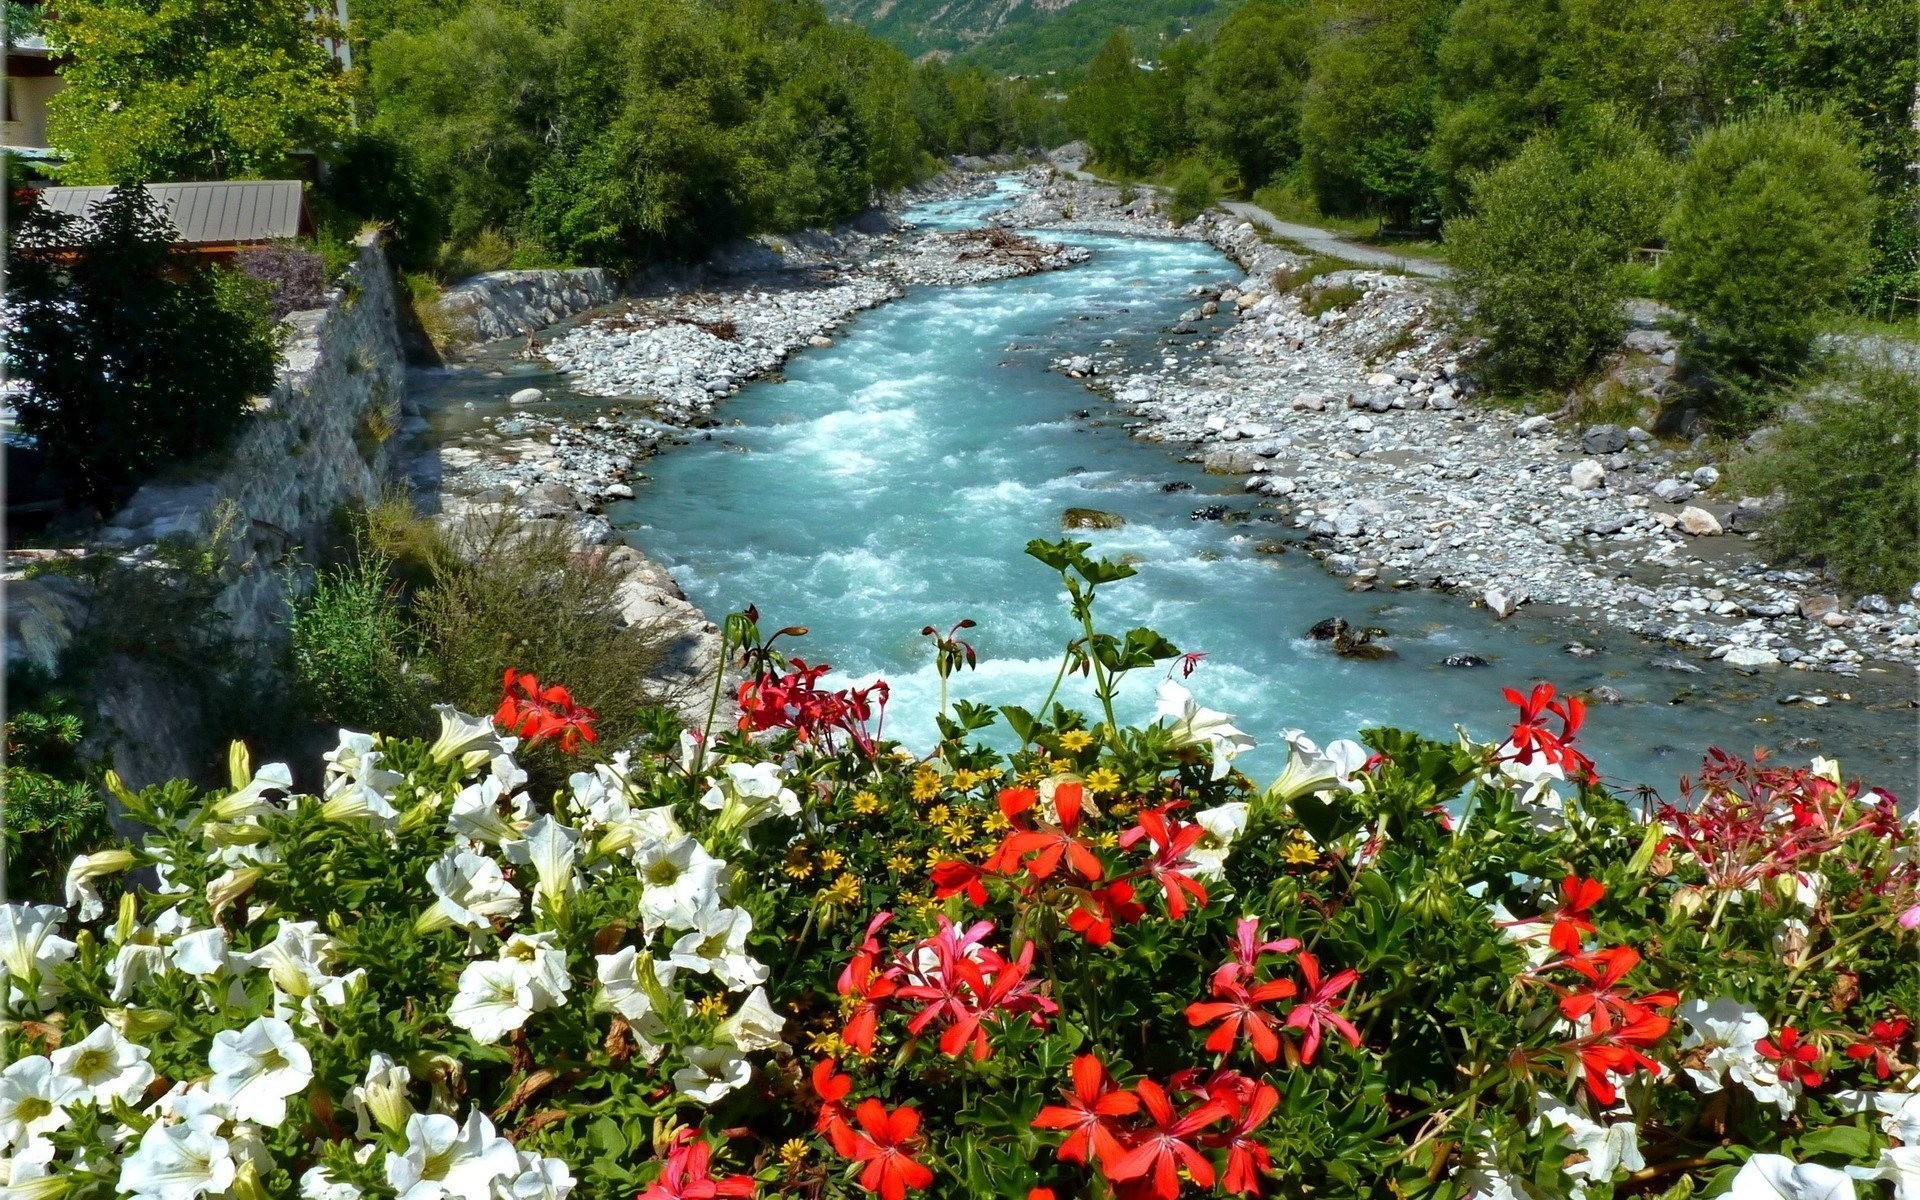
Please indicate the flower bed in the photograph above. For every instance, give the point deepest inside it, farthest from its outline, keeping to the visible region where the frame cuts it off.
(796, 959)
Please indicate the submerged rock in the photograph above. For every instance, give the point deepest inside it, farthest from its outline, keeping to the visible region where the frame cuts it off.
(1465, 661)
(1090, 518)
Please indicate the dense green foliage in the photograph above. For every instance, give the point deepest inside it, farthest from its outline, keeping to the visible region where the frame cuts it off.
(1845, 466)
(53, 809)
(132, 354)
(1542, 262)
(1389, 110)
(352, 649)
(1770, 229)
(192, 89)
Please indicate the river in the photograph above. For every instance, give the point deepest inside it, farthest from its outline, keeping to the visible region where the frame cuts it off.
(891, 482)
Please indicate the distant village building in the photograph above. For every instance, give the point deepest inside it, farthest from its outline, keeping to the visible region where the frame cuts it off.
(31, 82)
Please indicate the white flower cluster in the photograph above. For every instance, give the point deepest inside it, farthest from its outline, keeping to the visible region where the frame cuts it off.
(505, 881)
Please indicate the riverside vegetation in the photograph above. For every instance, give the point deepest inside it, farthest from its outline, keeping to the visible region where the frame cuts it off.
(1079, 958)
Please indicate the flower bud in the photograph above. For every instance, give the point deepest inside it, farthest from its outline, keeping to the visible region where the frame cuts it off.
(236, 883)
(139, 1024)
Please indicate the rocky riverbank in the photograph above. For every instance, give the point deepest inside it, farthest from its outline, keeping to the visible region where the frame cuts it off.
(1346, 402)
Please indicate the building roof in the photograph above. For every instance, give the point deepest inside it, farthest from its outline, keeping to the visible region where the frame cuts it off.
(209, 214)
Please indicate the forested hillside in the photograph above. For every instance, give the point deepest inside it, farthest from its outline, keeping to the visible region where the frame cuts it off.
(1027, 37)
(1379, 108)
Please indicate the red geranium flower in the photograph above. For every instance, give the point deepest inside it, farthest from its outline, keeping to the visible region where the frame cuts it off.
(1604, 970)
(1793, 1057)
(1093, 1106)
(1571, 920)
(686, 1174)
(1099, 909)
(1157, 1153)
(1881, 1044)
(1317, 1007)
(1169, 865)
(1617, 1049)
(1532, 739)
(833, 1088)
(885, 1142)
(1247, 1159)
(1240, 1009)
(536, 712)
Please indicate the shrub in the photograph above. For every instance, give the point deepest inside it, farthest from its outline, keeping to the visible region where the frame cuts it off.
(295, 277)
(1192, 192)
(521, 594)
(1770, 229)
(54, 807)
(1845, 463)
(1541, 265)
(352, 650)
(811, 963)
(130, 354)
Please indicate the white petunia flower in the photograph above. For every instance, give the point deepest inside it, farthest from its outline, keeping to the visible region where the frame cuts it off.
(465, 739)
(627, 993)
(544, 965)
(202, 953)
(717, 944)
(1774, 1177)
(87, 868)
(1311, 769)
(357, 786)
(756, 1026)
(105, 1065)
(257, 799)
(255, 1069)
(28, 1174)
(1899, 1166)
(711, 1073)
(179, 1162)
(1194, 725)
(746, 795)
(470, 891)
(476, 814)
(1899, 1111)
(380, 1100)
(34, 1099)
(541, 1178)
(494, 999)
(446, 1159)
(297, 958)
(30, 948)
(1730, 1032)
(319, 1184)
(1224, 824)
(1607, 1147)
(549, 848)
(681, 879)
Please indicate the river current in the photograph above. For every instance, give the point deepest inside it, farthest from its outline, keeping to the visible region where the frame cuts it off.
(892, 481)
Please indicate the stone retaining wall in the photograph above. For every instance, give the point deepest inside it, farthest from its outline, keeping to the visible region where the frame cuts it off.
(321, 441)
(509, 303)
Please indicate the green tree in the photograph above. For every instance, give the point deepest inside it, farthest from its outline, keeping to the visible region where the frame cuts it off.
(1770, 229)
(1541, 263)
(1497, 87)
(132, 354)
(192, 89)
(1108, 107)
(1368, 112)
(1247, 101)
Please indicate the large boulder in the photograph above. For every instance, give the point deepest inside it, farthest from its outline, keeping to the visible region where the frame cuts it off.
(1090, 518)
(1698, 522)
(1587, 475)
(1604, 439)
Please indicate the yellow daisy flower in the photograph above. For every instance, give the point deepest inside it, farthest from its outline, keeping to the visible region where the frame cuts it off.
(1106, 779)
(866, 803)
(831, 860)
(1075, 740)
(793, 1152)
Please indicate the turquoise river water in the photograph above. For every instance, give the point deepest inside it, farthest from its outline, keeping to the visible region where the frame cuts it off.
(892, 481)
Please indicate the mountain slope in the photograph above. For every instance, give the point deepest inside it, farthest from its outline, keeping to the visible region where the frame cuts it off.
(1024, 36)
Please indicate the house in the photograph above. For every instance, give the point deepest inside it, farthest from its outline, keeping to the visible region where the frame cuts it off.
(31, 82)
(216, 219)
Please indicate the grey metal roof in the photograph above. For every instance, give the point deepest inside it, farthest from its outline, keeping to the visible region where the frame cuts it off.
(207, 214)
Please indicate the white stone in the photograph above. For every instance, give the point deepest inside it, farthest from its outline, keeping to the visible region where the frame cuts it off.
(1698, 522)
(1588, 475)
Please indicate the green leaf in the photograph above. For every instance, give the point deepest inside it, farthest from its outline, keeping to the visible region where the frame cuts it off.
(1847, 1141)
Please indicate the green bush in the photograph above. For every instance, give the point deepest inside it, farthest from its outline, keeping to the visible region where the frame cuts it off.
(1542, 265)
(1846, 466)
(520, 594)
(53, 808)
(1769, 231)
(352, 649)
(133, 353)
(1192, 192)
